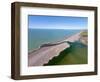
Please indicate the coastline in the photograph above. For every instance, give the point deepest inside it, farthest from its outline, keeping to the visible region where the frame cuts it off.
(46, 52)
(54, 43)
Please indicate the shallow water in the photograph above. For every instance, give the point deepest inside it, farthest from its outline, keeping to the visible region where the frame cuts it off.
(75, 54)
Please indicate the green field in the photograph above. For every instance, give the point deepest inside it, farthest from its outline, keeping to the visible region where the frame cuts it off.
(75, 54)
(85, 33)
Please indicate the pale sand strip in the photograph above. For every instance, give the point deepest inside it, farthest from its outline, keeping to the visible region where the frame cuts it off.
(44, 54)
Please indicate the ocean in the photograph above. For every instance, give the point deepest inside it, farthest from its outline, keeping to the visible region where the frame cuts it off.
(37, 37)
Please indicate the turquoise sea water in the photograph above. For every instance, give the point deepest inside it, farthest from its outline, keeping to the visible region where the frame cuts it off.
(37, 37)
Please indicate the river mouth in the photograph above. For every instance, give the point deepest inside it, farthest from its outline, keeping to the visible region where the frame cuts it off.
(77, 53)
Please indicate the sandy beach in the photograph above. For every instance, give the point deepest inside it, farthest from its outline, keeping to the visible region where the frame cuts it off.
(45, 53)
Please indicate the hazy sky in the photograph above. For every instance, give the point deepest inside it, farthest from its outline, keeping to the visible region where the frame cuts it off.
(57, 22)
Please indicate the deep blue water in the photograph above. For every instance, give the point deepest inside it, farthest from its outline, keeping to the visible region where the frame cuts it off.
(37, 37)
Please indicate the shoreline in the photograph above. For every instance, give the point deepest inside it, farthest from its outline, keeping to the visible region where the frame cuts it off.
(52, 43)
(43, 54)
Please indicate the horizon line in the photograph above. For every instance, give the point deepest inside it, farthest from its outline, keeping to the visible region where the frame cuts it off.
(60, 28)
